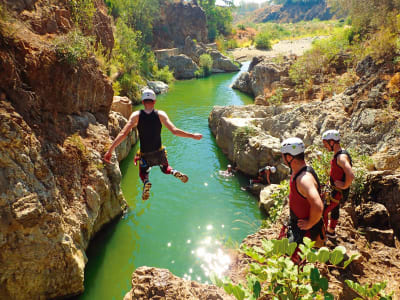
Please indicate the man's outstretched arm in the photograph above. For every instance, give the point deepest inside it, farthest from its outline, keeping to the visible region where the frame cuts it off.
(176, 131)
(133, 120)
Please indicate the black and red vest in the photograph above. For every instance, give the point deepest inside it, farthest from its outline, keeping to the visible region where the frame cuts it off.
(337, 173)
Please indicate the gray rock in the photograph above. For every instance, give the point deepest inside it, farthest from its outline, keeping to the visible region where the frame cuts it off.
(158, 87)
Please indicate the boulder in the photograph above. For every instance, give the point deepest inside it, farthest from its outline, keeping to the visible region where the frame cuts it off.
(182, 66)
(378, 235)
(266, 201)
(158, 87)
(242, 83)
(222, 62)
(372, 214)
(152, 283)
(122, 105)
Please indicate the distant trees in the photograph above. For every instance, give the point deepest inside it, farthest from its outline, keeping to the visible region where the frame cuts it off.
(219, 18)
(297, 1)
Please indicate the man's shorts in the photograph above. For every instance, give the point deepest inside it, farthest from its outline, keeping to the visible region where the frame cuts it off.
(155, 158)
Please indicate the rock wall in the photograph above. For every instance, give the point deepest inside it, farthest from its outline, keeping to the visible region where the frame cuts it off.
(55, 191)
(178, 21)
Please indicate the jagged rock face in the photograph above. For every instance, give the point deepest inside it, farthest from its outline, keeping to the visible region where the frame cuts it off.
(178, 21)
(53, 199)
(151, 284)
(55, 191)
(384, 187)
(292, 12)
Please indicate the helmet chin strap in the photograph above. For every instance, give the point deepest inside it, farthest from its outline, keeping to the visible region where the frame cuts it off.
(289, 162)
(331, 146)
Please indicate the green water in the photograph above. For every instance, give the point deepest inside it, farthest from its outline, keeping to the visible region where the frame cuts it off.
(181, 227)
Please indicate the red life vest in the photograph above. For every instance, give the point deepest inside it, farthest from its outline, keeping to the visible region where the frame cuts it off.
(337, 173)
(297, 203)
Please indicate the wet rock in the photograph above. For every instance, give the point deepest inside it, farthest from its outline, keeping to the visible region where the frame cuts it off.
(243, 83)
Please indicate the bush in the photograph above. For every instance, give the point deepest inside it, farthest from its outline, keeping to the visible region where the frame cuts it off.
(82, 12)
(263, 41)
(205, 64)
(73, 47)
(274, 275)
(164, 75)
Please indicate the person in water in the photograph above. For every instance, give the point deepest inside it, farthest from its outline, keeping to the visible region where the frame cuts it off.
(264, 175)
(341, 177)
(149, 123)
(228, 172)
(306, 206)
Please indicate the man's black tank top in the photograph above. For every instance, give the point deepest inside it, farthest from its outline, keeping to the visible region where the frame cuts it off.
(149, 127)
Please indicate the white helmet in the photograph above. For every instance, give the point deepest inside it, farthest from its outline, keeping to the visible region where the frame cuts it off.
(272, 169)
(148, 94)
(331, 135)
(292, 146)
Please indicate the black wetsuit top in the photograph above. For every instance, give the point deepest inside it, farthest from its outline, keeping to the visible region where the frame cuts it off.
(149, 127)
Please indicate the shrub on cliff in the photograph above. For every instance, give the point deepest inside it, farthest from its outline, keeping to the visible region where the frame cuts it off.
(73, 47)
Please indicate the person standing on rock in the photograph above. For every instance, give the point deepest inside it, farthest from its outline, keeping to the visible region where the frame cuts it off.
(305, 203)
(152, 153)
(341, 177)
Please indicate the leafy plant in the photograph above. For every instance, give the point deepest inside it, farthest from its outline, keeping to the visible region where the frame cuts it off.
(164, 75)
(205, 63)
(73, 47)
(263, 41)
(82, 12)
(369, 291)
(273, 273)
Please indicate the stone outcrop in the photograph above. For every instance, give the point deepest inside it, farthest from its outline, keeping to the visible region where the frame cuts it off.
(55, 191)
(178, 21)
(264, 76)
(182, 66)
(122, 105)
(184, 61)
(151, 284)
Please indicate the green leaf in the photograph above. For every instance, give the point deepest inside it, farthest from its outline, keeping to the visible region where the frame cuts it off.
(311, 257)
(238, 292)
(323, 283)
(256, 289)
(353, 257)
(216, 280)
(314, 275)
(292, 247)
(228, 288)
(336, 256)
(323, 254)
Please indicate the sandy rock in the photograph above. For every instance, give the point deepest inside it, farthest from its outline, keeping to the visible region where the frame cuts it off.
(152, 283)
(266, 202)
(122, 105)
(115, 124)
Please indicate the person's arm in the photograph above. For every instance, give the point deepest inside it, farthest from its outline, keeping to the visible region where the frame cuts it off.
(344, 163)
(132, 122)
(307, 186)
(268, 174)
(176, 131)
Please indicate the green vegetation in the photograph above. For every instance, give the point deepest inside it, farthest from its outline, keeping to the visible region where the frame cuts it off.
(279, 197)
(73, 47)
(219, 19)
(82, 12)
(263, 41)
(241, 137)
(273, 273)
(366, 291)
(205, 64)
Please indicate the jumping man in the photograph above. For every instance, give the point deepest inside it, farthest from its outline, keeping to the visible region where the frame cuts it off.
(149, 123)
(341, 177)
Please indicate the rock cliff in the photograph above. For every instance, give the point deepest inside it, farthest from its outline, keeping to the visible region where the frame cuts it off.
(178, 21)
(55, 191)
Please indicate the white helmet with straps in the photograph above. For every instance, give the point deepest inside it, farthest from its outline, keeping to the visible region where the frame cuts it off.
(148, 94)
(292, 146)
(331, 135)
